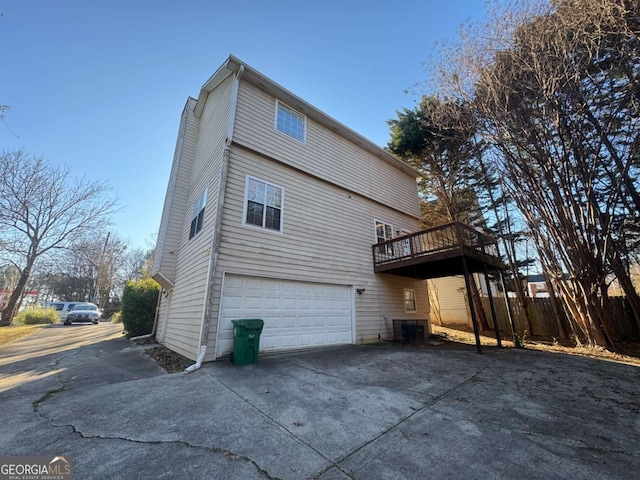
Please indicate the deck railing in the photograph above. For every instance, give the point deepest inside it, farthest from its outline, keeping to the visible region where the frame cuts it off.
(440, 239)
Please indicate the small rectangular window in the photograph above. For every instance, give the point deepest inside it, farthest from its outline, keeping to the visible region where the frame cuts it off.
(290, 122)
(263, 203)
(410, 300)
(197, 214)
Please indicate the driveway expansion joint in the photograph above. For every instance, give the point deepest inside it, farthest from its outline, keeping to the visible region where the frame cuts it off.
(332, 463)
(414, 412)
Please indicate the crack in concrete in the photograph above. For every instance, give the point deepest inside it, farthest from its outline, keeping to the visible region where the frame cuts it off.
(337, 463)
(48, 394)
(41, 447)
(290, 432)
(232, 456)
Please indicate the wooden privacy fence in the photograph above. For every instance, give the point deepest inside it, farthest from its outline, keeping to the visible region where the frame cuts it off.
(544, 323)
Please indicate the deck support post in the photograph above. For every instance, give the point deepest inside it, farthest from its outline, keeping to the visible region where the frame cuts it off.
(474, 320)
(496, 328)
(516, 340)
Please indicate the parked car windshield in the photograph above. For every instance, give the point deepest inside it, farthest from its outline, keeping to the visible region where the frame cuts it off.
(84, 307)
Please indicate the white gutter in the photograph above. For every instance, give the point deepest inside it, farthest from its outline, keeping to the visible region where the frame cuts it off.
(215, 245)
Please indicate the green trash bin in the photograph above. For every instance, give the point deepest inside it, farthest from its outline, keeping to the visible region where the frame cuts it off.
(246, 340)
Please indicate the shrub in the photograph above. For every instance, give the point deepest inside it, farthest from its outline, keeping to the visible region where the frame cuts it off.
(36, 316)
(108, 312)
(116, 317)
(139, 301)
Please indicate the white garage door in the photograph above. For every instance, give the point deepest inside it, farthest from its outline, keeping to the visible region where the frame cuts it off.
(295, 314)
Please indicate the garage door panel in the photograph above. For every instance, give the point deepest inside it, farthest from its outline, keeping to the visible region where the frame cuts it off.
(288, 341)
(254, 302)
(305, 304)
(333, 337)
(304, 321)
(271, 304)
(288, 322)
(296, 314)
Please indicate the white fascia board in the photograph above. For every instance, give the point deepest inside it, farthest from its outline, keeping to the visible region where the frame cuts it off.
(223, 72)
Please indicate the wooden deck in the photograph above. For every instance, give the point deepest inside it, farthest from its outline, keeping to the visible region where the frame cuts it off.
(437, 252)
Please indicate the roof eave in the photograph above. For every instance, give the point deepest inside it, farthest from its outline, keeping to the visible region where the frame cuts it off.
(226, 69)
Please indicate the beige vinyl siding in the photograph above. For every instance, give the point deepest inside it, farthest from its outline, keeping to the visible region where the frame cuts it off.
(327, 237)
(169, 235)
(324, 153)
(448, 300)
(187, 298)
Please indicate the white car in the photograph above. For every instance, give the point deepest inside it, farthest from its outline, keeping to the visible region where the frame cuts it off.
(83, 312)
(63, 308)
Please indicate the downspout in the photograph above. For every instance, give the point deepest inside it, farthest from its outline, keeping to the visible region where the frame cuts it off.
(215, 244)
(155, 320)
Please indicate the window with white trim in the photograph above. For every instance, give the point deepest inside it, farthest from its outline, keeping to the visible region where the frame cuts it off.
(197, 214)
(410, 300)
(263, 204)
(386, 231)
(290, 122)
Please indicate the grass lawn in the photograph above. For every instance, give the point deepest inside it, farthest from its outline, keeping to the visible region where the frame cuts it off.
(13, 332)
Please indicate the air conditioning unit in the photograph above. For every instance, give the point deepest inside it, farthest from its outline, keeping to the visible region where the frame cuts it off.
(409, 331)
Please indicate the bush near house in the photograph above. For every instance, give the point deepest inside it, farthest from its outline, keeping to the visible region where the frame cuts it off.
(36, 316)
(139, 301)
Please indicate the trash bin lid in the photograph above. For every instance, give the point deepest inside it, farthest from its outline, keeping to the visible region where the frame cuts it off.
(249, 323)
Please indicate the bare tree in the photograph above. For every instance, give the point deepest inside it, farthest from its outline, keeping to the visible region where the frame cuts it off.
(101, 257)
(42, 210)
(134, 264)
(556, 89)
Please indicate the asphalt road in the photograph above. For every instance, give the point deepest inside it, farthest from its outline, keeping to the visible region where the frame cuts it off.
(86, 393)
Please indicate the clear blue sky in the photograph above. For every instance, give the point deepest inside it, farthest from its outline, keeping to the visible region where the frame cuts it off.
(99, 85)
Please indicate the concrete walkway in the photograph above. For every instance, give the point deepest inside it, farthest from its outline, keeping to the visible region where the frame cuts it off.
(354, 412)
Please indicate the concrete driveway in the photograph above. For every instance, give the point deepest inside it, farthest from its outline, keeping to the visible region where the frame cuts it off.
(354, 412)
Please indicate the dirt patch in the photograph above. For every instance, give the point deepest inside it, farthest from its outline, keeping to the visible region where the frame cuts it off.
(145, 341)
(628, 352)
(171, 361)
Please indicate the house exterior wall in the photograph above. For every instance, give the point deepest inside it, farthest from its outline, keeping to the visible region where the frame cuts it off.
(324, 154)
(186, 300)
(327, 237)
(447, 301)
(334, 190)
(175, 204)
